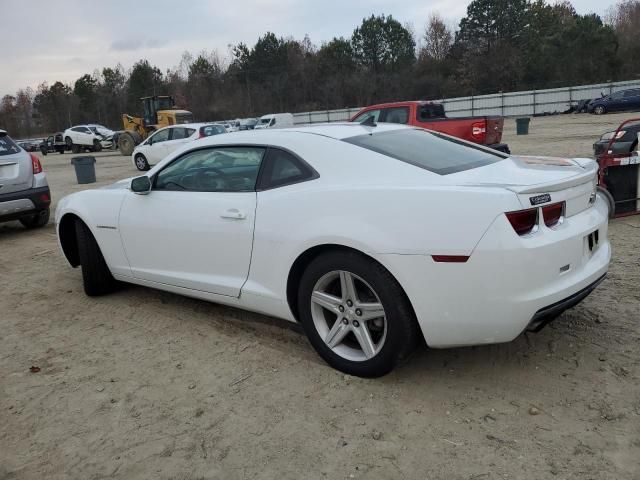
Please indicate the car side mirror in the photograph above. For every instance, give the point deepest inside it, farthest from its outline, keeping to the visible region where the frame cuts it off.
(141, 185)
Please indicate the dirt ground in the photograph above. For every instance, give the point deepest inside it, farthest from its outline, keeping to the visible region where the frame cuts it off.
(143, 384)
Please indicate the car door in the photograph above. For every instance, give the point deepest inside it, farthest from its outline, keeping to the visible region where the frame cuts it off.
(194, 229)
(177, 138)
(632, 99)
(615, 102)
(155, 150)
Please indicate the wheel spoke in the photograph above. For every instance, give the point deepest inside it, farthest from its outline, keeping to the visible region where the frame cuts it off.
(370, 311)
(325, 300)
(336, 334)
(364, 339)
(347, 287)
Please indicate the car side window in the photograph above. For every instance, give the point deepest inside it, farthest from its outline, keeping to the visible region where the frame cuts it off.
(365, 116)
(616, 96)
(160, 136)
(284, 168)
(396, 115)
(179, 133)
(632, 93)
(218, 169)
(85, 130)
(430, 111)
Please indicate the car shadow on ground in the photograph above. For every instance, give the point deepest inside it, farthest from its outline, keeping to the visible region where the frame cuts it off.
(480, 362)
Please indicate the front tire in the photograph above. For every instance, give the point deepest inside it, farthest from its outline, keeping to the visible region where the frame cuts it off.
(96, 277)
(37, 220)
(97, 146)
(141, 163)
(600, 110)
(356, 314)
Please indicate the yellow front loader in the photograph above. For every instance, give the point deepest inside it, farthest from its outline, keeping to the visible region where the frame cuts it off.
(159, 111)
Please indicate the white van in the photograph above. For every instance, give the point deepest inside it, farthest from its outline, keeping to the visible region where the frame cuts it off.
(275, 120)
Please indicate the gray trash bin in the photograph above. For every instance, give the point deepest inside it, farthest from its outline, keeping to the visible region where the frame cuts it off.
(85, 169)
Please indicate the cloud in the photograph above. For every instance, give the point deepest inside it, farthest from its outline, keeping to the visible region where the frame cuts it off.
(133, 44)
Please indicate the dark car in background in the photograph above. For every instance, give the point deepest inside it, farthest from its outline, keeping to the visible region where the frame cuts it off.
(53, 143)
(621, 101)
(626, 141)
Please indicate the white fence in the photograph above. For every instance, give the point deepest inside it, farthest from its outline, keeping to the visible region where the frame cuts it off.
(531, 102)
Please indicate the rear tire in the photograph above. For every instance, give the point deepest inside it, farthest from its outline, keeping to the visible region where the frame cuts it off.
(141, 163)
(392, 336)
(609, 199)
(37, 220)
(96, 277)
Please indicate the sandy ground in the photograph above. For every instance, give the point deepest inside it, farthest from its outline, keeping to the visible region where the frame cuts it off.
(143, 384)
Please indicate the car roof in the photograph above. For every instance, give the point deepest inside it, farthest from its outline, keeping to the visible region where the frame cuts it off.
(337, 131)
(399, 104)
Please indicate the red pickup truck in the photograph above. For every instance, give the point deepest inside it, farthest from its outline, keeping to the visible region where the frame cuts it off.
(483, 130)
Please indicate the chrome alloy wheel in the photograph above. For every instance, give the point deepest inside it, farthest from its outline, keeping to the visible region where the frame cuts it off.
(348, 315)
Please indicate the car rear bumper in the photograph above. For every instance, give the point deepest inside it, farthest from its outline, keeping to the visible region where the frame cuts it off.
(501, 147)
(16, 205)
(508, 281)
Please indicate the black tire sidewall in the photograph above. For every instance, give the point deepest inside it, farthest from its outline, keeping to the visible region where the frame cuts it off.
(401, 325)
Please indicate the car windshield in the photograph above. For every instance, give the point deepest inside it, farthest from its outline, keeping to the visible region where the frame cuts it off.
(432, 151)
(7, 146)
(264, 121)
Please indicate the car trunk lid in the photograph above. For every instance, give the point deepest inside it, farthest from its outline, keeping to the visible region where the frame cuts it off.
(15, 166)
(540, 180)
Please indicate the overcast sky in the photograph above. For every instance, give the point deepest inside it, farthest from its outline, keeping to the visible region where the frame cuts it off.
(49, 40)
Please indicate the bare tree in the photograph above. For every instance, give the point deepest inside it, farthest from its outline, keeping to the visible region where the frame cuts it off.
(437, 38)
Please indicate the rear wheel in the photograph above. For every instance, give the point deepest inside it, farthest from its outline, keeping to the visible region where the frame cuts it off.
(37, 220)
(141, 162)
(96, 277)
(355, 314)
(599, 110)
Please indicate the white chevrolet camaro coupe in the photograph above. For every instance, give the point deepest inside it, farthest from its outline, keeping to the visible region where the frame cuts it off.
(371, 236)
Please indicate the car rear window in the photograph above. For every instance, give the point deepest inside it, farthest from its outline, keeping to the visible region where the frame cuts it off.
(432, 151)
(209, 130)
(7, 146)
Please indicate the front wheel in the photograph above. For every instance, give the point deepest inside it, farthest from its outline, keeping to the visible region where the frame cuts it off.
(355, 314)
(96, 277)
(599, 110)
(97, 146)
(141, 163)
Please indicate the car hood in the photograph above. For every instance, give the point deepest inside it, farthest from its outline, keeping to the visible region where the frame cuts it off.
(120, 184)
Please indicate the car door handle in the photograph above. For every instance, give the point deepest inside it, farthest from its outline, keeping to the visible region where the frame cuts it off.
(234, 214)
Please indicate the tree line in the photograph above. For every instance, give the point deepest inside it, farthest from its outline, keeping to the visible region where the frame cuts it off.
(500, 45)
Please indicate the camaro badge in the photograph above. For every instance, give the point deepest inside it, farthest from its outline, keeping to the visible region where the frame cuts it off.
(538, 199)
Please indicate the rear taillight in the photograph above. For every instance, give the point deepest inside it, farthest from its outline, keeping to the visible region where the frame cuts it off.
(479, 131)
(553, 214)
(35, 163)
(523, 221)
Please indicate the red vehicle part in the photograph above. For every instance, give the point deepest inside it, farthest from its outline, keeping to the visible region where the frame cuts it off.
(482, 130)
(619, 177)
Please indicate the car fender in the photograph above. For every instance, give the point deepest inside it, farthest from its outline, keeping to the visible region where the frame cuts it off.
(99, 209)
